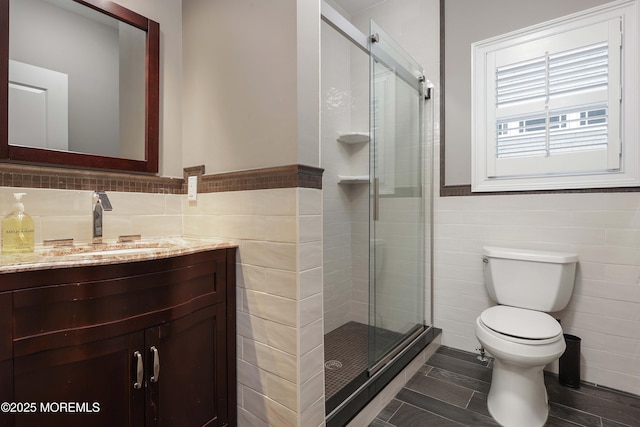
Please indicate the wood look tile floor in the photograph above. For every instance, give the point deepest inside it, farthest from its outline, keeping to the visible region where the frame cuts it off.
(451, 390)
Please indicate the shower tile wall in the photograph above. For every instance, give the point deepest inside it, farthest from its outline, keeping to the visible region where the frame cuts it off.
(359, 253)
(346, 211)
(345, 207)
(414, 26)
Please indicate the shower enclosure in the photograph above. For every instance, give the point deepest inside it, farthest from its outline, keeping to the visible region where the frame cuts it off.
(376, 207)
(397, 217)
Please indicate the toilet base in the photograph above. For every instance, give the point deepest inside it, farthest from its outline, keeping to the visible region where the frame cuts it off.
(518, 396)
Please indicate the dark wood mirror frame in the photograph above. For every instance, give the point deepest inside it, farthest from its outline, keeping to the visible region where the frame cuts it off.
(152, 90)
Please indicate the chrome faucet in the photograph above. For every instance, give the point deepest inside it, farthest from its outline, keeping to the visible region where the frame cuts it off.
(100, 203)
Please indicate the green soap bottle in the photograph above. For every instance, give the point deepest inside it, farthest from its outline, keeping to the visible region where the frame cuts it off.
(17, 229)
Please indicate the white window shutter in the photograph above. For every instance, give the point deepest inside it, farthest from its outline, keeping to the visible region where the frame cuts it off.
(547, 103)
(550, 105)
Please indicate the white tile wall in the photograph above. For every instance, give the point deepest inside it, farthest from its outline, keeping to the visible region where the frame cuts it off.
(337, 159)
(400, 259)
(602, 228)
(310, 311)
(62, 214)
(359, 255)
(279, 282)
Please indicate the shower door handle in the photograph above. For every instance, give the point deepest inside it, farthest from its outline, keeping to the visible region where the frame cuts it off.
(376, 199)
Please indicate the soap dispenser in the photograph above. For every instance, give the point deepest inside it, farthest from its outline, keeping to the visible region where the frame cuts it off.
(17, 229)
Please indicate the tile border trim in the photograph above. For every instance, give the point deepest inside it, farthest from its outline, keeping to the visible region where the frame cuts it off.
(31, 176)
(20, 175)
(465, 190)
(290, 176)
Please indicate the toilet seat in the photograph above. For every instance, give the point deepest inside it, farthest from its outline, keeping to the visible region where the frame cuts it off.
(521, 325)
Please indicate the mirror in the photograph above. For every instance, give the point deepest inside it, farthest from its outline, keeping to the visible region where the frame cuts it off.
(82, 84)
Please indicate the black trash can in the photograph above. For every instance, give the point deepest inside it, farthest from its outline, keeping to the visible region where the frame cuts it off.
(569, 369)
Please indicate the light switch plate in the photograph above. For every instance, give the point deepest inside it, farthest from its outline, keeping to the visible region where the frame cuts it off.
(192, 188)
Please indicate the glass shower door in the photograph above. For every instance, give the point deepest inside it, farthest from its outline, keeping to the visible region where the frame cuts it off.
(397, 208)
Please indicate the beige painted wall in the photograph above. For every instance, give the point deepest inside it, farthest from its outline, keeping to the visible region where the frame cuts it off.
(239, 84)
(168, 13)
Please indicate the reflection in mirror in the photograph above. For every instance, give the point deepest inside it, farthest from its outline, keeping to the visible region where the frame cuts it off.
(83, 82)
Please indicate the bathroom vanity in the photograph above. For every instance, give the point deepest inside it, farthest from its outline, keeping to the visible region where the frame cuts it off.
(137, 338)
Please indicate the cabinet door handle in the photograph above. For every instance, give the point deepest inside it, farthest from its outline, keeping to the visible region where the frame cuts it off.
(156, 364)
(139, 370)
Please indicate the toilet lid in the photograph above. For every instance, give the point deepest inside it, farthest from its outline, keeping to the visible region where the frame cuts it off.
(521, 323)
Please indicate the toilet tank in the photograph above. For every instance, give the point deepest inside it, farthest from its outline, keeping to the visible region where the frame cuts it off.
(537, 280)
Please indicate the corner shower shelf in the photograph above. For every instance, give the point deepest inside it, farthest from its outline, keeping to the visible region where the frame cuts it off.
(353, 179)
(353, 137)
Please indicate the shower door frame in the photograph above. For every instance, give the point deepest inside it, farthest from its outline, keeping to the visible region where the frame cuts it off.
(338, 22)
(412, 345)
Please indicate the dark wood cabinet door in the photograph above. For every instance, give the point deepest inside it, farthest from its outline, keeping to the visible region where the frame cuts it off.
(69, 338)
(191, 385)
(6, 356)
(84, 385)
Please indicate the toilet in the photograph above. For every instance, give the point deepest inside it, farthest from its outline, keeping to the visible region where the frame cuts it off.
(519, 333)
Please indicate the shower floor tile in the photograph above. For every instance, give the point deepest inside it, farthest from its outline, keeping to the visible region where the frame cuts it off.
(346, 356)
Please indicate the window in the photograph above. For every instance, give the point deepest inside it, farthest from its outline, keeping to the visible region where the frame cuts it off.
(553, 106)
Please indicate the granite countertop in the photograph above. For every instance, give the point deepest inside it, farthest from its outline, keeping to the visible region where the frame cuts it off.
(80, 255)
